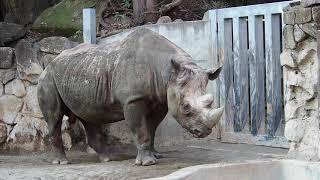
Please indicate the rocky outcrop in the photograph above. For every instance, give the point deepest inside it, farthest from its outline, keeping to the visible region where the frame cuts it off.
(55, 45)
(11, 32)
(6, 57)
(22, 126)
(64, 18)
(164, 19)
(23, 12)
(28, 65)
(300, 70)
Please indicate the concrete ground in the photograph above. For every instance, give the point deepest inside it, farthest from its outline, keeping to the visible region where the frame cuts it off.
(85, 166)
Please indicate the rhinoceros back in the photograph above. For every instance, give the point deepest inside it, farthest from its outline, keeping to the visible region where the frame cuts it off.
(83, 77)
(94, 81)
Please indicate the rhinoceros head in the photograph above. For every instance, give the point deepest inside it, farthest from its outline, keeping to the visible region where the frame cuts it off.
(188, 102)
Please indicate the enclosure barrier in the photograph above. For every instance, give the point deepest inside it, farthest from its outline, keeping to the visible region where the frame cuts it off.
(248, 42)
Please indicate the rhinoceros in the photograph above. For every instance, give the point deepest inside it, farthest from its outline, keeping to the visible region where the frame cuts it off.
(139, 79)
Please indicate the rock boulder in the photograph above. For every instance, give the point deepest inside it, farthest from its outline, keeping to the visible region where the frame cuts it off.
(6, 57)
(27, 61)
(55, 45)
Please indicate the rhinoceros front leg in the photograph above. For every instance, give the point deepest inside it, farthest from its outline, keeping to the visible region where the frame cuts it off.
(135, 113)
(155, 117)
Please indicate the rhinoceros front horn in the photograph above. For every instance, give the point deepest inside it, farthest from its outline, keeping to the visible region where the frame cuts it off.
(213, 117)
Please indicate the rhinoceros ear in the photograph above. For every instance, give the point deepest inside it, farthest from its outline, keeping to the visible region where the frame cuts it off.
(213, 74)
(176, 63)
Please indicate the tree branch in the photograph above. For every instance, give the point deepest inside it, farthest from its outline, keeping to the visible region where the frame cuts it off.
(170, 6)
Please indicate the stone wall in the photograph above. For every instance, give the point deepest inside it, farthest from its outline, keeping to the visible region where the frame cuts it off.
(300, 73)
(22, 126)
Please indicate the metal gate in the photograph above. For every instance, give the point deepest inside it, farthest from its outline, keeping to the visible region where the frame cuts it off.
(248, 42)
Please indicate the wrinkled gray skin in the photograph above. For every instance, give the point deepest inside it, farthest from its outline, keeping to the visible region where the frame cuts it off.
(140, 80)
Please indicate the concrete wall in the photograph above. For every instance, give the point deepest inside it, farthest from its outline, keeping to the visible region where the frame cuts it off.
(193, 37)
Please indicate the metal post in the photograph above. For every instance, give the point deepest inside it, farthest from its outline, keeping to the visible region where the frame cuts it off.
(89, 25)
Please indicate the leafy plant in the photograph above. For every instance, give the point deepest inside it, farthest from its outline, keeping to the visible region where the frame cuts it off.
(127, 3)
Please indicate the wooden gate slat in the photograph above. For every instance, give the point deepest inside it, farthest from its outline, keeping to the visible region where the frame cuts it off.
(244, 73)
(273, 72)
(236, 75)
(225, 43)
(241, 86)
(257, 72)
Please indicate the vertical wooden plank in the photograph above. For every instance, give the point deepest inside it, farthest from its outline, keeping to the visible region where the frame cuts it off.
(241, 86)
(214, 52)
(214, 63)
(225, 57)
(273, 72)
(244, 73)
(257, 73)
(236, 75)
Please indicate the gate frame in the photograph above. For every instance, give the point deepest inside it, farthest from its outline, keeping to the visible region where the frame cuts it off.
(219, 57)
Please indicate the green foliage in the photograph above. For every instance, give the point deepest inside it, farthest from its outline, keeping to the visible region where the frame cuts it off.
(119, 16)
(65, 17)
(127, 3)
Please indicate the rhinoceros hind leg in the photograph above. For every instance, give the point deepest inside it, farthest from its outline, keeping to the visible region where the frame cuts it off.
(52, 109)
(96, 139)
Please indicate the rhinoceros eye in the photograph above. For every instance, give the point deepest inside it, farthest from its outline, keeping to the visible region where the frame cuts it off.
(186, 108)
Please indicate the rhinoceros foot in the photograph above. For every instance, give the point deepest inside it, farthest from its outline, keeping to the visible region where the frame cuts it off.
(157, 154)
(60, 161)
(58, 158)
(145, 158)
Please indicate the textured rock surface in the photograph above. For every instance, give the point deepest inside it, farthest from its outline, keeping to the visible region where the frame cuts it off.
(299, 34)
(178, 20)
(316, 14)
(28, 133)
(3, 132)
(302, 15)
(10, 32)
(309, 28)
(287, 59)
(55, 45)
(1, 89)
(22, 127)
(6, 57)
(15, 87)
(46, 59)
(31, 105)
(307, 3)
(9, 108)
(300, 69)
(7, 75)
(164, 19)
(289, 37)
(288, 17)
(63, 18)
(27, 63)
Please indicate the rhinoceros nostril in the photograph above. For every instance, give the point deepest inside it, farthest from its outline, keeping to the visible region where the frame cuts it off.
(196, 132)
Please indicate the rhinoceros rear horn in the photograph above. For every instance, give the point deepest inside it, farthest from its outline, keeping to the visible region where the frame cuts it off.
(213, 117)
(213, 74)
